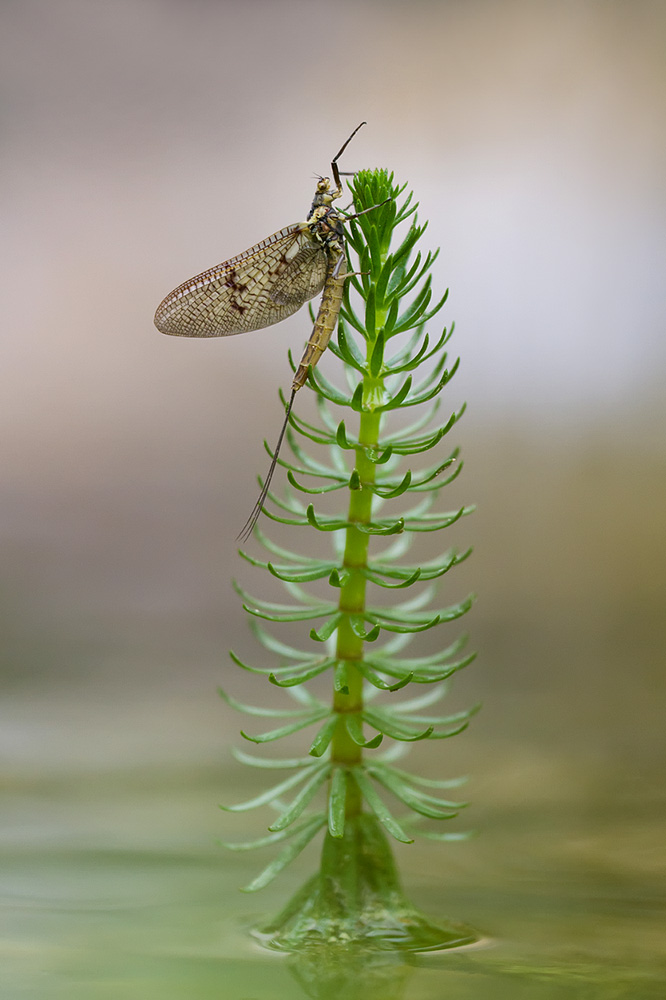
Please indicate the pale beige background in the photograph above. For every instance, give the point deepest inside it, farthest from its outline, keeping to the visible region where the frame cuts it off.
(145, 140)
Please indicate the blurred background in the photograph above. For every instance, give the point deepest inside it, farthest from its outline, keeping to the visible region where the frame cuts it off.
(146, 140)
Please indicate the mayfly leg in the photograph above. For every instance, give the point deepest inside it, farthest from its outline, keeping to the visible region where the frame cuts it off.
(334, 161)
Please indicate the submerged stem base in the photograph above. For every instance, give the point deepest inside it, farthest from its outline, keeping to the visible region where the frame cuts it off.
(356, 898)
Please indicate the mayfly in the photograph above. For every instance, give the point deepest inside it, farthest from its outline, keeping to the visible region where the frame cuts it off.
(267, 283)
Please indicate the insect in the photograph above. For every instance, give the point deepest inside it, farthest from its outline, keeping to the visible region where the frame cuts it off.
(266, 284)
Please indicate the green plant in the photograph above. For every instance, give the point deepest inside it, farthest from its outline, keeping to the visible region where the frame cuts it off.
(393, 286)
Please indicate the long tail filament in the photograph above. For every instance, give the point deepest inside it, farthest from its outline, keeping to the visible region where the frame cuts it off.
(248, 527)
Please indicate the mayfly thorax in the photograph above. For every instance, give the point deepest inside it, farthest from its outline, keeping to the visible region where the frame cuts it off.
(266, 284)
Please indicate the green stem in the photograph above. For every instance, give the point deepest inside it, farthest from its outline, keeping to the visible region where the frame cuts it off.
(344, 751)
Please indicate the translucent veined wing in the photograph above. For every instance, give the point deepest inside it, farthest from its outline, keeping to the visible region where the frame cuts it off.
(303, 277)
(259, 287)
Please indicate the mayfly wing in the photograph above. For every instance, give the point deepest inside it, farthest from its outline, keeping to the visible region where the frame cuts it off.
(303, 277)
(255, 289)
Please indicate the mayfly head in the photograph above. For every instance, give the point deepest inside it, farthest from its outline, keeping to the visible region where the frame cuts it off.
(324, 196)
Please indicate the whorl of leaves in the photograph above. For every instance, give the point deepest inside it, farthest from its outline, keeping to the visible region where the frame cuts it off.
(392, 363)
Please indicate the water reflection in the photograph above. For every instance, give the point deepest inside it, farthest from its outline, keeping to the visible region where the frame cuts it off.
(362, 973)
(355, 973)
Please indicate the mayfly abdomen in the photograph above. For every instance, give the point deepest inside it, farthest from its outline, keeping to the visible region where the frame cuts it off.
(326, 320)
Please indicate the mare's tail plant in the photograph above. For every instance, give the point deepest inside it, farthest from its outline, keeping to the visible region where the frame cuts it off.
(362, 452)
